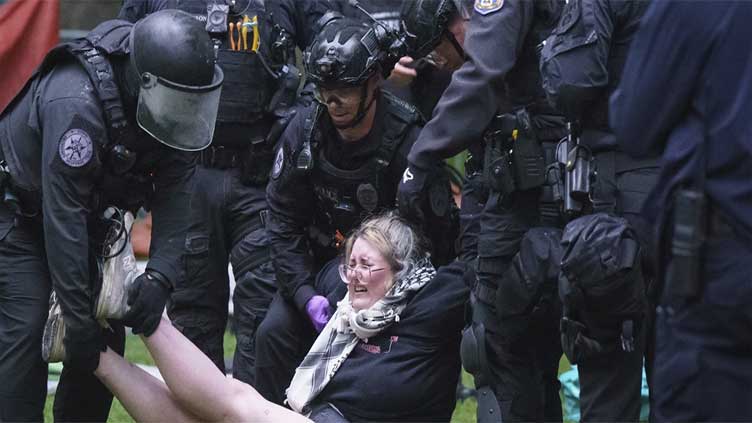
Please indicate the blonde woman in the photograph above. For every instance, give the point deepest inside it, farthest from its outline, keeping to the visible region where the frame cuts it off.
(390, 352)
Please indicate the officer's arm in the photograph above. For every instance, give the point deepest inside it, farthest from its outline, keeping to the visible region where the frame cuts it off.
(290, 197)
(170, 205)
(73, 130)
(492, 44)
(660, 76)
(298, 18)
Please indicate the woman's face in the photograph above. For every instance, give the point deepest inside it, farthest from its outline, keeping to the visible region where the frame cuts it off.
(369, 275)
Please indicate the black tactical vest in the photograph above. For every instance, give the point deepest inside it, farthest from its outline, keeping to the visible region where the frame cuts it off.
(129, 154)
(250, 80)
(345, 197)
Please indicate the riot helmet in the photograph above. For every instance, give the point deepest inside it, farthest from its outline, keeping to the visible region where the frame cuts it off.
(179, 83)
(345, 55)
(425, 22)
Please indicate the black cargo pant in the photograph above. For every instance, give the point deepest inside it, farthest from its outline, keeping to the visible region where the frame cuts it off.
(24, 303)
(524, 373)
(610, 384)
(226, 226)
(286, 335)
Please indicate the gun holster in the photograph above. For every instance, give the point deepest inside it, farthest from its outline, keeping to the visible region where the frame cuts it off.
(687, 239)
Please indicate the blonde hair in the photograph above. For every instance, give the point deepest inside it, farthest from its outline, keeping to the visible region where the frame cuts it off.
(394, 239)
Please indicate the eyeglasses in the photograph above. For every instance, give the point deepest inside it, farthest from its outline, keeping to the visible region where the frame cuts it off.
(347, 96)
(362, 272)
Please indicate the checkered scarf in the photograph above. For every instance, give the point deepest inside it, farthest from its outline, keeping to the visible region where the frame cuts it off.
(343, 332)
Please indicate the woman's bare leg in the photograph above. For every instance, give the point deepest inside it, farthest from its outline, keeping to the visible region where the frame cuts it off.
(197, 384)
(145, 397)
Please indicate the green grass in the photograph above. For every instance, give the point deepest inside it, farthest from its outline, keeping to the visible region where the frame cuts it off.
(136, 352)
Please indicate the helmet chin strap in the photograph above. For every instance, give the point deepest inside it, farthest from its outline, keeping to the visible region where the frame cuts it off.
(363, 108)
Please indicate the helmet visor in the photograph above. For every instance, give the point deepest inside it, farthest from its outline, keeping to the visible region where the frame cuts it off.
(179, 116)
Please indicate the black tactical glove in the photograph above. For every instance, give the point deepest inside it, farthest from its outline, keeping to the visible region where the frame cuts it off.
(411, 193)
(83, 342)
(147, 297)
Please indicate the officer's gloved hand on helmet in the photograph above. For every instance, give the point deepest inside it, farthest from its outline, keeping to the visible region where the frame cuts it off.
(83, 342)
(317, 309)
(410, 194)
(147, 297)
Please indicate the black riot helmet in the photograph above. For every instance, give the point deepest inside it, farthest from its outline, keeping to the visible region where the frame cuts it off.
(179, 83)
(345, 53)
(426, 21)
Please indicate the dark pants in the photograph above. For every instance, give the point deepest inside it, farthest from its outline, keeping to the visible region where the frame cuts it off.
(226, 227)
(524, 373)
(703, 360)
(286, 335)
(611, 383)
(24, 304)
(474, 197)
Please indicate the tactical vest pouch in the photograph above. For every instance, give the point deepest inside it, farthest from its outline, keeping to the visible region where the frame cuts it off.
(248, 87)
(528, 160)
(497, 167)
(572, 47)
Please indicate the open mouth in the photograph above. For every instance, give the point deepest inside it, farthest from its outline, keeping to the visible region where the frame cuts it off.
(360, 289)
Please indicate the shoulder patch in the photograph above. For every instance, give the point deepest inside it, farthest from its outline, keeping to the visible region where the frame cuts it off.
(484, 7)
(279, 162)
(76, 148)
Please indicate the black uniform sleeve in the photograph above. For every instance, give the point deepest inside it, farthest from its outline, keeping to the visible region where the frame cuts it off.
(298, 17)
(290, 196)
(133, 10)
(659, 77)
(169, 205)
(492, 44)
(73, 131)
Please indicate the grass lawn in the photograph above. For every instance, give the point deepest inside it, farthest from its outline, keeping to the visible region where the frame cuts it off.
(136, 352)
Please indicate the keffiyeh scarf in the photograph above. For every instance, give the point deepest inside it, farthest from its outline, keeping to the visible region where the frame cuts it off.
(343, 332)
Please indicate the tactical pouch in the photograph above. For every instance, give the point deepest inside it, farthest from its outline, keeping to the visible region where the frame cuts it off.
(529, 163)
(497, 166)
(247, 89)
(576, 344)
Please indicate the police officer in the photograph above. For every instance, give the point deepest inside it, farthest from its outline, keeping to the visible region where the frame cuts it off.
(101, 123)
(501, 77)
(255, 42)
(579, 71)
(435, 36)
(686, 95)
(339, 161)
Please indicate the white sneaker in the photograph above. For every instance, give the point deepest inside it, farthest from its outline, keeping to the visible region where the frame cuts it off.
(53, 350)
(117, 275)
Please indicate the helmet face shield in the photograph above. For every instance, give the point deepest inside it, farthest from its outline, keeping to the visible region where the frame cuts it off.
(180, 116)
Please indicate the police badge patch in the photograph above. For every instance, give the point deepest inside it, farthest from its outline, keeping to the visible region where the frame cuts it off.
(76, 148)
(368, 197)
(279, 163)
(484, 7)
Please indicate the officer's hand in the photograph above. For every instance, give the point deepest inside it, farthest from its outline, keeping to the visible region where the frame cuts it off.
(402, 74)
(83, 342)
(318, 311)
(410, 194)
(147, 297)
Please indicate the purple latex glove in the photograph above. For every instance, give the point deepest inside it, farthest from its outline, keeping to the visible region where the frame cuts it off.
(318, 311)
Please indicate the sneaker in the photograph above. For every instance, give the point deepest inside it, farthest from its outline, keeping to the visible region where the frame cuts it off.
(53, 350)
(118, 274)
